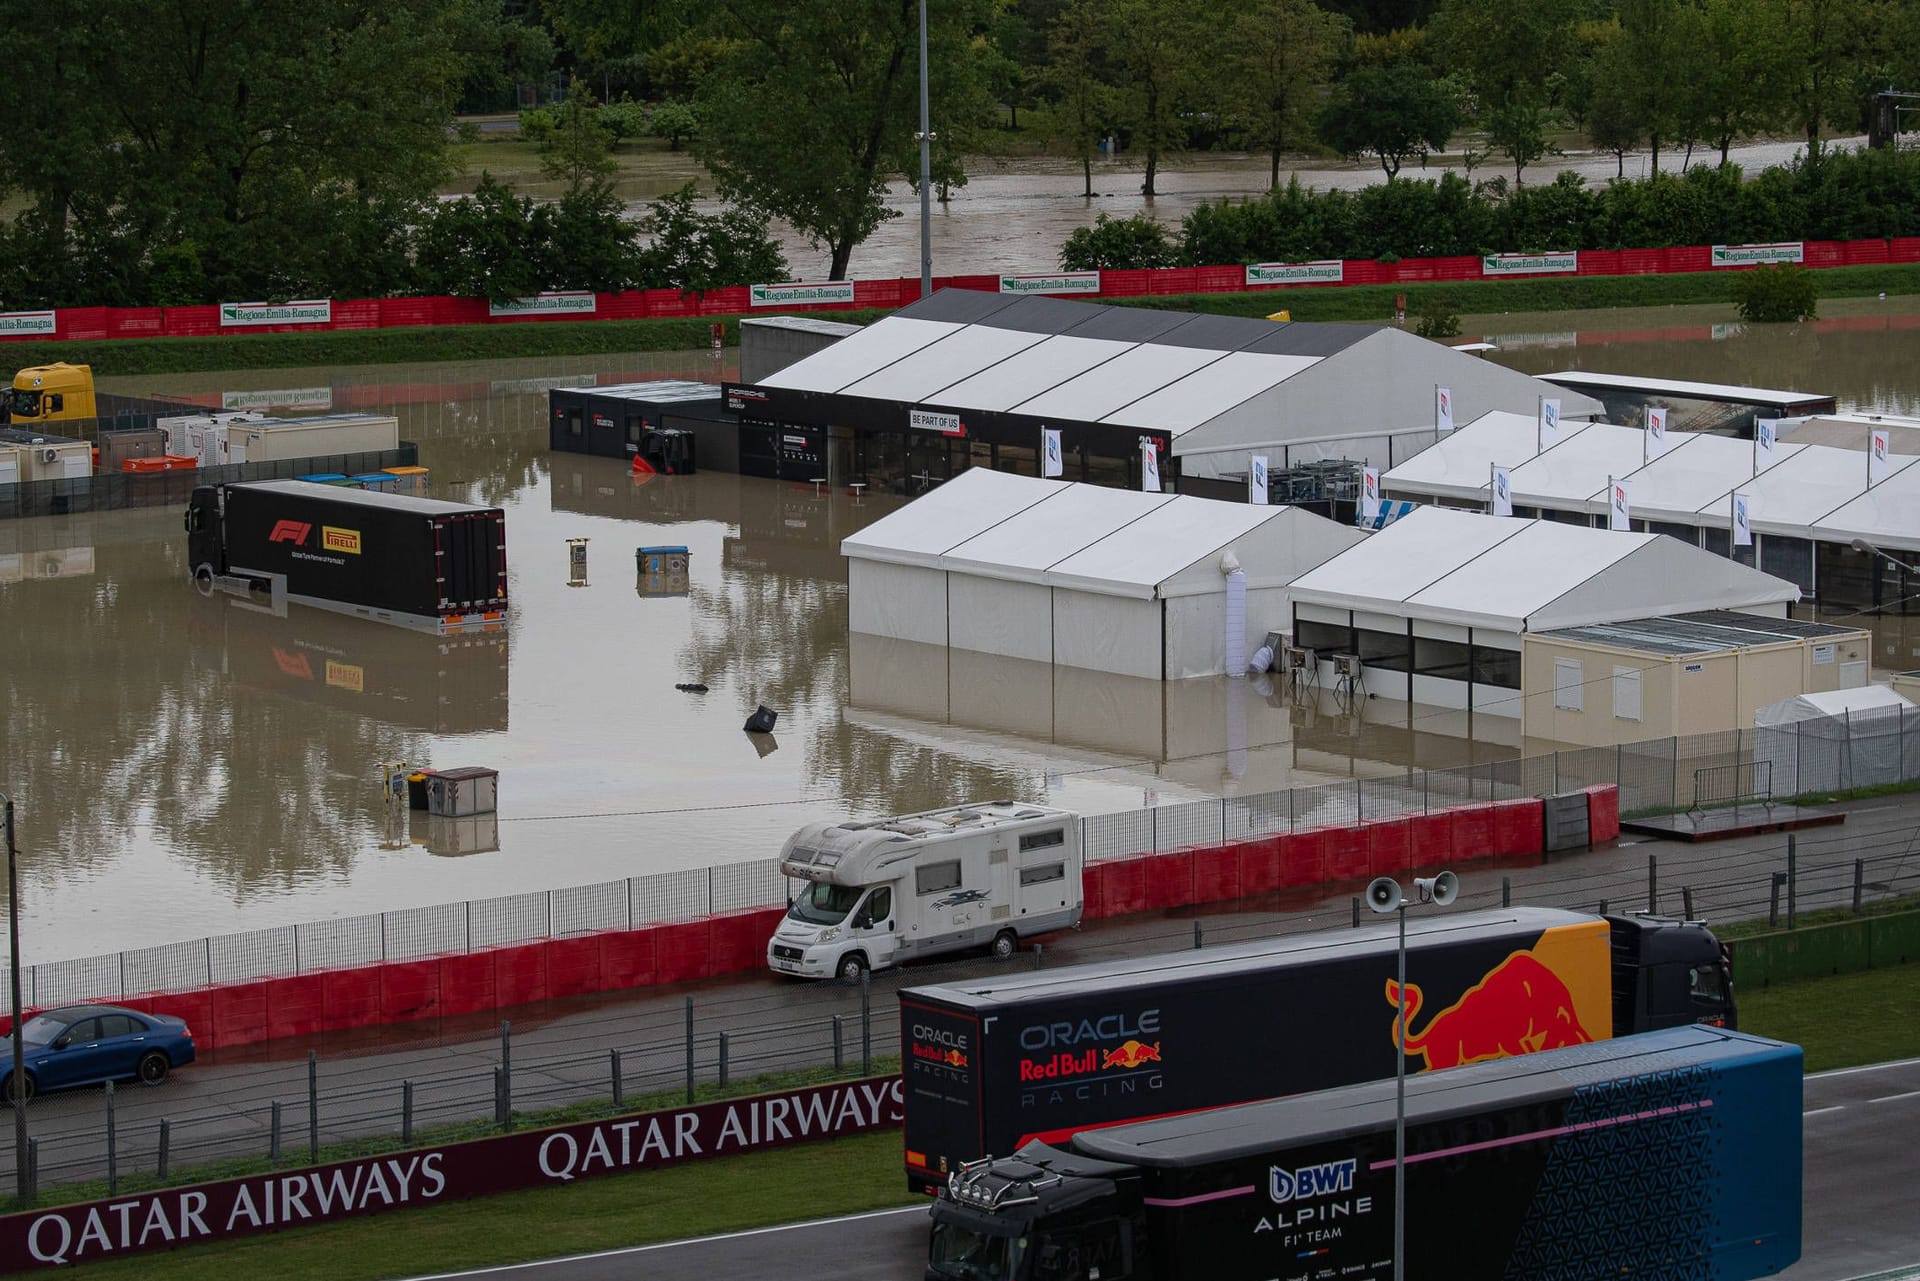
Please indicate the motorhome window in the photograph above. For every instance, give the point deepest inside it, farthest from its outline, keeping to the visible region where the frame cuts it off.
(1043, 840)
(1042, 874)
(824, 904)
(879, 908)
(936, 877)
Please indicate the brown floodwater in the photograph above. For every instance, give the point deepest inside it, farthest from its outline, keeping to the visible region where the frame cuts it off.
(185, 765)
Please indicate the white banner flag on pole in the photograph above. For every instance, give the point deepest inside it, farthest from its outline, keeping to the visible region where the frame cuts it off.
(1549, 428)
(1051, 463)
(1501, 490)
(1742, 521)
(1442, 410)
(1879, 465)
(1370, 494)
(1257, 480)
(1764, 434)
(1618, 516)
(1149, 465)
(1656, 431)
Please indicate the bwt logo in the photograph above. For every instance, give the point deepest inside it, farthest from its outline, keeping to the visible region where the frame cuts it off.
(1310, 1181)
(290, 531)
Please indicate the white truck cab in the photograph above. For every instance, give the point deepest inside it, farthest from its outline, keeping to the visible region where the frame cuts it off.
(880, 892)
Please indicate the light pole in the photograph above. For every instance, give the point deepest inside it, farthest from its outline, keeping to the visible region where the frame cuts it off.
(19, 1055)
(1383, 895)
(926, 168)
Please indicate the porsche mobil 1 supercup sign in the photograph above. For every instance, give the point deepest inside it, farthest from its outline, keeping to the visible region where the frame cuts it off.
(108, 1229)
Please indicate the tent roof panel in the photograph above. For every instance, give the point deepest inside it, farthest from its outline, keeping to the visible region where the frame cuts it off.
(974, 501)
(919, 377)
(1887, 515)
(1696, 466)
(1576, 469)
(664, 392)
(1116, 324)
(1408, 555)
(1794, 493)
(1031, 372)
(1586, 380)
(1300, 338)
(1190, 401)
(858, 355)
(1098, 392)
(1025, 544)
(1217, 333)
(1520, 575)
(1139, 556)
(1460, 465)
(959, 306)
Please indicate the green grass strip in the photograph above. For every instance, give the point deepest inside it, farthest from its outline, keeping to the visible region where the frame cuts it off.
(1844, 1021)
(588, 338)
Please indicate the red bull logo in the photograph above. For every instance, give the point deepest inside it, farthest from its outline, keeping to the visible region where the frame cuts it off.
(1130, 1055)
(1521, 1006)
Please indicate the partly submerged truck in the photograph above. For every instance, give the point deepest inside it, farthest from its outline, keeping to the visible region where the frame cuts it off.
(994, 1063)
(416, 562)
(881, 892)
(1671, 1154)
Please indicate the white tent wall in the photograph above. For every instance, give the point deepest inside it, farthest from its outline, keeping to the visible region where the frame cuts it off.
(995, 616)
(904, 677)
(1665, 576)
(1383, 385)
(1196, 636)
(1004, 695)
(1117, 634)
(1835, 753)
(906, 602)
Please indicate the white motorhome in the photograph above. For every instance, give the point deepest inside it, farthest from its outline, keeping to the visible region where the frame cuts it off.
(881, 892)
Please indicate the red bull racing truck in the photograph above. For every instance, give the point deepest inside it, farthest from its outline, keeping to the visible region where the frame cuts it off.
(1674, 1153)
(995, 1063)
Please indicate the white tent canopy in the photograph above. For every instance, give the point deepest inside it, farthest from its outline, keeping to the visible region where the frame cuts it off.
(1841, 703)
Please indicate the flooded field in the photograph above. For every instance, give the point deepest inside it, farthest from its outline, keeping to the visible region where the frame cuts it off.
(187, 765)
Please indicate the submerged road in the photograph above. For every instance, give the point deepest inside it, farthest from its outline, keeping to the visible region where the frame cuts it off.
(1861, 1208)
(565, 1052)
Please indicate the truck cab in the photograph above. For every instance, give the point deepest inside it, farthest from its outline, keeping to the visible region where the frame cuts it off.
(1044, 1214)
(1668, 973)
(45, 393)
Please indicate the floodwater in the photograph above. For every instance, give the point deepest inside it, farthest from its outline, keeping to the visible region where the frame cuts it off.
(186, 765)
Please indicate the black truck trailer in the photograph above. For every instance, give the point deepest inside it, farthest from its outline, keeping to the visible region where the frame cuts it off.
(1671, 1154)
(993, 1063)
(417, 562)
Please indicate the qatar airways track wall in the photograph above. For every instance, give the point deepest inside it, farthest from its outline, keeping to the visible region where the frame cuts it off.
(231, 1015)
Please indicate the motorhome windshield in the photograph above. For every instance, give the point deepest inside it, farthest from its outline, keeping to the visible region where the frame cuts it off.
(963, 1253)
(24, 404)
(824, 904)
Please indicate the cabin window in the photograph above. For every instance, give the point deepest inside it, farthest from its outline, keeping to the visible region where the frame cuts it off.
(1043, 840)
(1042, 874)
(935, 877)
(1569, 685)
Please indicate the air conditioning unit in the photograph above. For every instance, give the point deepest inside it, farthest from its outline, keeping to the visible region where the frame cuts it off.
(1295, 659)
(51, 454)
(1346, 664)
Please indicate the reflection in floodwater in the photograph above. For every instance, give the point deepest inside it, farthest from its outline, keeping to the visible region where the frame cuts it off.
(187, 765)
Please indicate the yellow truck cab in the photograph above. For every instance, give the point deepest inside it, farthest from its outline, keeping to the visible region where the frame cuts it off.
(44, 393)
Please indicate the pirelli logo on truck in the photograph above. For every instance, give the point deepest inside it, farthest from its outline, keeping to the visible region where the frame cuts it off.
(335, 539)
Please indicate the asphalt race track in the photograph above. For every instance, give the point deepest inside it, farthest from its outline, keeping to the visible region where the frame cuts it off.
(1862, 1209)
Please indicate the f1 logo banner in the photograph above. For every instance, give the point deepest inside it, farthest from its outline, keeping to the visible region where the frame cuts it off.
(290, 531)
(232, 1208)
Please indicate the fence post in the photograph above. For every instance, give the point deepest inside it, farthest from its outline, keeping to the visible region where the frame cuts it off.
(1356, 911)
(1773, 903)
(1603, 908)
(406, 1111)
(723, 1060)
(506, 1074)
(33, 1170)
(499, 1099)
(1686, 902)
(1506, 891)
(113, 1148)
(1038, 951)
(866, 1024)
(1653, 882)
(1859, 883)
(1359, 802)
(619, 1083)
(839, 1044)
(1196, 936)
(273, 1135)
(1556, 770)
(1793, 881)
(313, 1106)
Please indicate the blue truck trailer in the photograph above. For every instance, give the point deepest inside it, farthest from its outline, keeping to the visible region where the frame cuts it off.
(1671, 1154)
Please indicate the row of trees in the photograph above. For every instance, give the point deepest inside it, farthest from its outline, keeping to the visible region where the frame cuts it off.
(1847, 195)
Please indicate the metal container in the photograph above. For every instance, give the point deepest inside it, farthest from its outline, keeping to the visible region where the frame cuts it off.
(457, 793)
(325, 436)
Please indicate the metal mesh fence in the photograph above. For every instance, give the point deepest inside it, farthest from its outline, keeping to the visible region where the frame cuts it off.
(1664, 775)
(113, 491)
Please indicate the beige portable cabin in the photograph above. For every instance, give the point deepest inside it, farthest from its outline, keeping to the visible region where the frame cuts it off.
(29, 456)
(1700, 673)
(284, 439)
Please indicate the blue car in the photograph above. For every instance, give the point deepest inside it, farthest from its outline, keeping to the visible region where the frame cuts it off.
(87, 1044)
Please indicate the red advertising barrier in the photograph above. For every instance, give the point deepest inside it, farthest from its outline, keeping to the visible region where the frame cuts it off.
(629, 958)
(1430, 839)
(1472, 832)
(1303, 859)
(739, 942)
(1216, 873)
(1170, 880)
(520, 973)
(1518, 827)
(1388, 846)
(1603, 813)
(1260, 865)
(409, 990)
(467, 983)
(686, 951)
(1126, 886)
(1093, 891)
(195, 1005)
(240, 1013)
(573, 966)
(296, 1006)
(352, 997)
(1347, 857)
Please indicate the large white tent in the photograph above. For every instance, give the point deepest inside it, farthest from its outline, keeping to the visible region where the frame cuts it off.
(1080, 575)
(1435, 604)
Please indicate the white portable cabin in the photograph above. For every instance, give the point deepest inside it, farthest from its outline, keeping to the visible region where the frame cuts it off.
(44, 458)
(281, 440)
(888, 890)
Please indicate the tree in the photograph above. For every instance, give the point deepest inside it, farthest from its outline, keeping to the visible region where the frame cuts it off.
(1743, 51)
(674, 121)
(1822, 42)
(579, 151)
(1509, 53)
(817, 105)
(694, 252)
(1156, 46)
(1388, 112)
(481, 246)
(1517, 128)
(599, 31)
(1006, 51)
(1284, 52)
(1075, 54)
(1118, 244)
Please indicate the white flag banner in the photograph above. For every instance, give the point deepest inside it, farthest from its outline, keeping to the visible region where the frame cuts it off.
(1549, 422)
(1502, 492)
(1443, 410)
(1765, 432)
(1370, 494)
(1149, 466)
(1257, 480)
(1656, 431)
(1879, 465)
(1050, 461)
(1618, 515)
(1742, 521)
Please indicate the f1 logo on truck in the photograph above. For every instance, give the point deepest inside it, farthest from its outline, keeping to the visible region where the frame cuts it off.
(290, 531)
